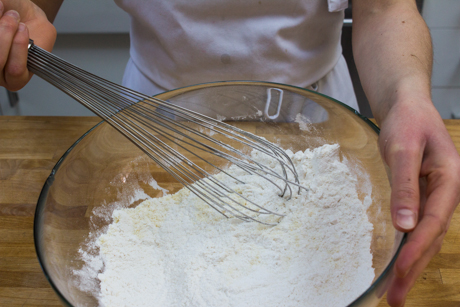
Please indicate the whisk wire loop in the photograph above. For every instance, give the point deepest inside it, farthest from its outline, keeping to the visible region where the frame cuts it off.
(173, 136)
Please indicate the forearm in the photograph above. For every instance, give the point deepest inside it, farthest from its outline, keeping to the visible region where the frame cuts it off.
(393, 53)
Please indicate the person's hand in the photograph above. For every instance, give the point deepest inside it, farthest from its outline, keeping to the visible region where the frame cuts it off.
(425, 181)
(20, 19)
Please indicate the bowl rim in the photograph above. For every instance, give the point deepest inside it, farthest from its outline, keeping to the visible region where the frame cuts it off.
(49, 181)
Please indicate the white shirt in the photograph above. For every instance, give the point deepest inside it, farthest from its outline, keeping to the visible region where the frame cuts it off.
(176, 43)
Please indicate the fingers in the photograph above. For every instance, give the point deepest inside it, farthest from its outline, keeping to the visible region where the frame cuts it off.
(404, 163)
(16, 72)
(9, 22)
(400, 286)
(14, 40)
(425, 241)
(438, 210)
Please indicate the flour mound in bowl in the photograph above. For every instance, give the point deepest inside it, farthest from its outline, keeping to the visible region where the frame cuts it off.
(177, 251)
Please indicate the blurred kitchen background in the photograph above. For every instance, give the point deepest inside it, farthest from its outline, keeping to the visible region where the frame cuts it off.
(95, 36)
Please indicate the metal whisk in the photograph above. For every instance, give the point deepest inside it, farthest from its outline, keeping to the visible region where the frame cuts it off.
(172, 136)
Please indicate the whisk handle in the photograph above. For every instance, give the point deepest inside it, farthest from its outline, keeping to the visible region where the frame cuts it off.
(31, 44)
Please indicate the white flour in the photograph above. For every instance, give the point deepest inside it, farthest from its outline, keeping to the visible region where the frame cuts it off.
(177, 251)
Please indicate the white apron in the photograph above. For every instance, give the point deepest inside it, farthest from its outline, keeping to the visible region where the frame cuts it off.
(175, 43)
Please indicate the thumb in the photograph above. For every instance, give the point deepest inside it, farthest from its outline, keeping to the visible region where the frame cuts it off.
(404, 162)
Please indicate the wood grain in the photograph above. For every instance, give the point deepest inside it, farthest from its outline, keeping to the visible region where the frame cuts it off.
(30, 147)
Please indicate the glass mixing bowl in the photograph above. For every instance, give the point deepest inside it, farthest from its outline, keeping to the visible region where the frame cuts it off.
(102, 170)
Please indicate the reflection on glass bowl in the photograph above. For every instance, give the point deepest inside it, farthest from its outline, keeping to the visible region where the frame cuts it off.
(103, 171)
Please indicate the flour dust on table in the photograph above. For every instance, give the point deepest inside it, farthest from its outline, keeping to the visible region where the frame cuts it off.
(178, 251)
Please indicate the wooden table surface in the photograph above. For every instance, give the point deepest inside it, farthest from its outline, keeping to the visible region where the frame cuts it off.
(30, 147)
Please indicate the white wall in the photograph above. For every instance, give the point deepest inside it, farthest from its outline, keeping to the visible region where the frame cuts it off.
(91, 16)
(443, 19)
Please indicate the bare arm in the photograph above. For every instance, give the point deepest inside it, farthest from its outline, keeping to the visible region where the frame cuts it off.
(391, 38)
(393, 54)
